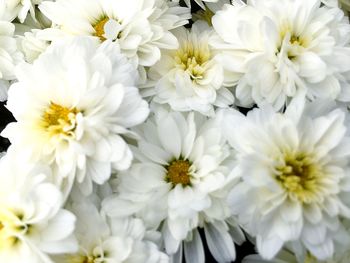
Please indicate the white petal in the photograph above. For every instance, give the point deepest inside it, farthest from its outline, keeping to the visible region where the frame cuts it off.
(194, 251)
(220, 242)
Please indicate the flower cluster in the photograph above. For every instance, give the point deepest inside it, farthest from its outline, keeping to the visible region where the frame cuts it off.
(155, 131)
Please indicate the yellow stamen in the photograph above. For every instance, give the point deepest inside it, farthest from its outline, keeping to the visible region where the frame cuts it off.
(11, 228)
(178, 173)
(192, 58)
(80, 259)
(299, 176)
(310, 258)
(58, 119)
(99, 28)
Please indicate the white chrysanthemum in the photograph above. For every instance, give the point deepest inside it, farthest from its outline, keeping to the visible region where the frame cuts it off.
(295, 176)
(280, 47)
(209, 10)
(190, 78)
(140, 27)
(9, 54)
(180, 183)
(21, 8)
(32, 45)
(284, 256)
(32, 223)
(106, 240)
(294, 253)
(72, 107)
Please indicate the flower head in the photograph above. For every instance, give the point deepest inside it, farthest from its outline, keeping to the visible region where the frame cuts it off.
(294, 176)
(32, 223)
(72, 107)
(9, 54)
(103, 239)
(282, 47)
(181, 184)
(139, 27)
(191, 78)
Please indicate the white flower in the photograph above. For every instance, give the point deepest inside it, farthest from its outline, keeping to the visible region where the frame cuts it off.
(180, 183)
(280, 47)
(209, 10)
(21, 8)
(190, 78)
(139, 27)
(32, 45)
(72, 106)
(293, 252)
(284, 256)
(295, 176)
(9, 54)
(32, 223)
(107, 240)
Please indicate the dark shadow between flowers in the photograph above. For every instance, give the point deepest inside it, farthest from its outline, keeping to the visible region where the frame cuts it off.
(5, 118)
(245, 249)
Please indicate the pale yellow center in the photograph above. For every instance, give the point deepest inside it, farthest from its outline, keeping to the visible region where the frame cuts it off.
(297, 41)
(99, 28)
(80, 258)
(11, 227)
(178, 172)
(192, 59)
(58, 119)
(299, 176)
(310, 258)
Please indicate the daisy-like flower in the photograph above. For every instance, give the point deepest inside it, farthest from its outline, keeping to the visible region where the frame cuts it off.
(280, 47)
(209, 10)
(284, 256)
(72, 106)
(295, 176)
(107, 240)
(9, 54)
(139, 27)
(32, 45)
(21, 8)
(180, 183)
(32, 223)
(190, 78)
(294, 253)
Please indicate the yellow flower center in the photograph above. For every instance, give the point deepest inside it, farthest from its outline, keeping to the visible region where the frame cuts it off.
(192, 58)
(87, 258)
(298, 42)
(299, 176)
(80, 259)
(310, 258)
(11, 228)
(99, 28)
(58, 119)
(179, 173)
